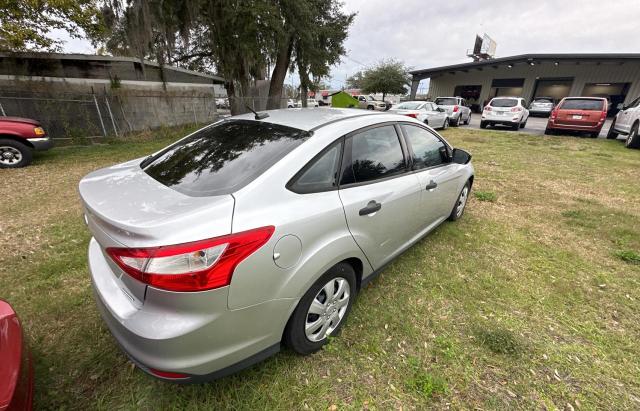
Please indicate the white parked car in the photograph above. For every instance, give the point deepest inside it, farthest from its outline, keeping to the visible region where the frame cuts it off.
(311, 102)
(370, 103)
(427, 112)
(291, 103)
(626, 123)
(508, 111)
(457, 109)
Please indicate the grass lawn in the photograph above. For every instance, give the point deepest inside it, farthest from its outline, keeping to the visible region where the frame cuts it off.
(532, 300)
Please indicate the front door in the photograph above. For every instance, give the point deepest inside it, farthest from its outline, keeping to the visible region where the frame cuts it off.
(379, 194)
(440, 179)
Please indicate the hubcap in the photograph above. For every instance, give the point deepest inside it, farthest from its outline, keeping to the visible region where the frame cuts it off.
(10, 155)
(462, 201)
(327, 309)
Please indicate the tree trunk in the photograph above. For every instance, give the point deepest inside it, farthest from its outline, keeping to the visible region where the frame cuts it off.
(279, 73)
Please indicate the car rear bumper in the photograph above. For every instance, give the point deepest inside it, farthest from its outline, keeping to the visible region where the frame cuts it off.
(573, 127)
(540, 111)
(41, 144)
(187, 333)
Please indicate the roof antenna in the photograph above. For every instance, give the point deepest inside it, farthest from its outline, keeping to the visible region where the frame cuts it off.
(258, 116)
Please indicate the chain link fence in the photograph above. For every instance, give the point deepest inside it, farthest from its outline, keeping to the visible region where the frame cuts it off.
(77, 116)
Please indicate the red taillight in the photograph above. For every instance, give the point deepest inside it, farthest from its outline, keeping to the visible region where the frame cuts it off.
(603, 116)
(554, 114)
(455, 109)
(197, 266)
(412, 115)
(487, 108)
(168, 374)
(516, 109)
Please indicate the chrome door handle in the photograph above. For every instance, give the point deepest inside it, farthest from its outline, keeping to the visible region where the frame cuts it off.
(432, 184)
(372, 207)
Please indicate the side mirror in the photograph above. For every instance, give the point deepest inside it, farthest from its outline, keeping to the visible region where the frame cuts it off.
(620, 106)
(460, 156)
(445, 154)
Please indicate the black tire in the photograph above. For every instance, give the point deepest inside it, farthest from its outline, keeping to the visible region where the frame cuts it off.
(483, 124)
(455, 214)
(549, 131)
(370, 108)
(612, 134)
(14, 154)
(445, 124)
(594, 134)
(468, 121)
(633, 139)
(456, 122)
(515, 127)
(294, 334)
(523, 125)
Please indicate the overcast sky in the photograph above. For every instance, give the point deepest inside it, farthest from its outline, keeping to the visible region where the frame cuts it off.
(432, 33)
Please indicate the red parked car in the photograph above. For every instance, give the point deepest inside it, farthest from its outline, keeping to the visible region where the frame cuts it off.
(16, 370)
(19, 137)
(583, 114)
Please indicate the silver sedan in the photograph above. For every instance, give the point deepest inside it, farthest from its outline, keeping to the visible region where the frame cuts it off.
(260, 230)
(427, 112)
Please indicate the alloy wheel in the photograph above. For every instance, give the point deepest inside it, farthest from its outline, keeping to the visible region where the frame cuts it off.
(462, 201)
(10, 155)
(327, 309)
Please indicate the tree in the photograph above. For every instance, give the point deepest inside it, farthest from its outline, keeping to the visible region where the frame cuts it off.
(387, 77)
(355, 81)
(25, 24)
(238, 39)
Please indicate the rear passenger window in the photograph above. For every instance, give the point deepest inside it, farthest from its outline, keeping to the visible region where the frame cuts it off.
(375, 153)
(320, 174)
(427, 148)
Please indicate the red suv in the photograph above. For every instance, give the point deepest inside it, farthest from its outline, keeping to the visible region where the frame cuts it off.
(585, 114)
(19, 137)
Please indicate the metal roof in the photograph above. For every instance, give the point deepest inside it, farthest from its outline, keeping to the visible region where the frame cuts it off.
(528, 58)
(95, 57)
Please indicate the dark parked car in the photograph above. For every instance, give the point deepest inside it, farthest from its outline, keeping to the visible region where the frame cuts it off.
(19, 137)
(16, 370)
(582, 114)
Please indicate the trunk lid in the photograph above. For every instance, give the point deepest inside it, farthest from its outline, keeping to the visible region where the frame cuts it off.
(124, 207)
(137, 211)
(585, 118)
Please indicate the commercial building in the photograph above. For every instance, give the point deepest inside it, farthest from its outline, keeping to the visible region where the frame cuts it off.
(615, 76)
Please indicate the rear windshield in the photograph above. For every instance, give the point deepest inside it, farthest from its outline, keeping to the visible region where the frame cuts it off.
(446, 101)
(224, 157)
(503, 102)
(542, 100)
(582, 104)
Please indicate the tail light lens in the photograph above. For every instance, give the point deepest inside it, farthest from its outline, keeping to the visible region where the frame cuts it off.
(197, 266)
(603, 116)
(456, 108)
(554, 114)
(487, 108)
(412, 115)
(516, 109)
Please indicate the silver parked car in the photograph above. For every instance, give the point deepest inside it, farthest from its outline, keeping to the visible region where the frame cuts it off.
(456, 108)
(427, 112)
(257, 231)
(541, 106)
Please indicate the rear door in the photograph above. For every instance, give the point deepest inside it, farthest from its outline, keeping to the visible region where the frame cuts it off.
(379, 194)
(439, 178)
(580, 112)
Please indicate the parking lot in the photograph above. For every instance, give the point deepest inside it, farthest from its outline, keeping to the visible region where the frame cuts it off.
(535, 126)
(529, 301)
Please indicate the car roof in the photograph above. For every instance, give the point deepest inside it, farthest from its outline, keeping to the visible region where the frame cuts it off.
(308, 119)
(515, 98)
(584, 98)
